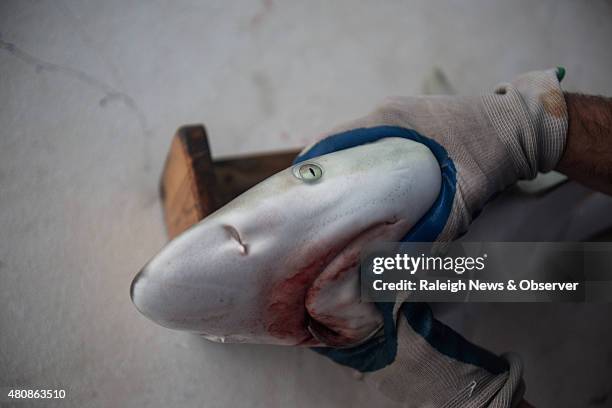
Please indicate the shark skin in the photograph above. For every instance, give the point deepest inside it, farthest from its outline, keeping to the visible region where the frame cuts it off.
(278, 264)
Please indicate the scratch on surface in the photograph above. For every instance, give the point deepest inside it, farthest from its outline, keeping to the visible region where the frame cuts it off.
(110, 93)
(88, 41)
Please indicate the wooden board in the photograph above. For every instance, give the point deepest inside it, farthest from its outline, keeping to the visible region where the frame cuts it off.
(193, 185)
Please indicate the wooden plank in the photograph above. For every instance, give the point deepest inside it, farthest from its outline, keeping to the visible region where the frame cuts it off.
(237, 174)
(188, 180)
(192, 185)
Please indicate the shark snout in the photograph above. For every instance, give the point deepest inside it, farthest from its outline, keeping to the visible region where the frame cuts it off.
(187, 285)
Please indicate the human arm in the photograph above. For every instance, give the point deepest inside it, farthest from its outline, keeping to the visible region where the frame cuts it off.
(587, 158)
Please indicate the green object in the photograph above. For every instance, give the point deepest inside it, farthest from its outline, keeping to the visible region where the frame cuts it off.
(560, 73)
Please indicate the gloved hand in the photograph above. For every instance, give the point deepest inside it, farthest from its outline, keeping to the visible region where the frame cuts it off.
(483, 145)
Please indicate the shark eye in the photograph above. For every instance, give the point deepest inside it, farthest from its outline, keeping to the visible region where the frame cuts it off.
(309, 172)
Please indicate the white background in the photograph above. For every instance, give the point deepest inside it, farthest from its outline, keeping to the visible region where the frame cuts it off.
(92, 92)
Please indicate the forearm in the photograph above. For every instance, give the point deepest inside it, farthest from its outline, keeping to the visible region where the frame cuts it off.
(588, 153)
(587, 158)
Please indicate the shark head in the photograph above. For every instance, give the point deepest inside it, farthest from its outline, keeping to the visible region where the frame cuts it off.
(279, 263)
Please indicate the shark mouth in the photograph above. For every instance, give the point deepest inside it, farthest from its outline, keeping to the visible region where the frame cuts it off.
(320, 304)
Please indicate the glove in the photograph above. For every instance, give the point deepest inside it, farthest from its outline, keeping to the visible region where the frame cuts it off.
(483, 145)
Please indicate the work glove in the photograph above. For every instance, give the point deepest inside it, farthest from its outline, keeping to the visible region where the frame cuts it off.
(483, 145)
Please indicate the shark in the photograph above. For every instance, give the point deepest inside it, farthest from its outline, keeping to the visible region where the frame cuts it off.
(279, 264)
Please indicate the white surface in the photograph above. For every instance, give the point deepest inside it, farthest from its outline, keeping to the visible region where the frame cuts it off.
(91, 94)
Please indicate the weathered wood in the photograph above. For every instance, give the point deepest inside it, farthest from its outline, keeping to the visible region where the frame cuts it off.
(188, 181)
(236, 175)
(192, 185)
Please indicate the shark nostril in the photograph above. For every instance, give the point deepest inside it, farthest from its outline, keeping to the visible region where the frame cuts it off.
(234, 234)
